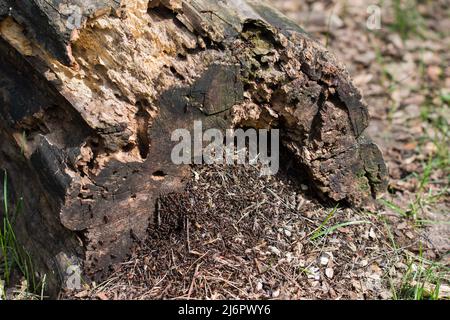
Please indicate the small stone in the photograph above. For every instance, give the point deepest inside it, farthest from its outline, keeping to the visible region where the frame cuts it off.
(329, 272)
(275, 250)
(276, 293)
(372, 234)
(324, 260)
(366, 58)
(289, 257)
(259, 286)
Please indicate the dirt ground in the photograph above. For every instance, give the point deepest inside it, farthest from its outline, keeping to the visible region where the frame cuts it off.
(234, 235)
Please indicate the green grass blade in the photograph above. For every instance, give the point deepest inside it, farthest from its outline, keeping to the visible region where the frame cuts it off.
(335, 227)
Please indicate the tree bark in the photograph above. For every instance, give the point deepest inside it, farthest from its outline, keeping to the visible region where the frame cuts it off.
(91, 91)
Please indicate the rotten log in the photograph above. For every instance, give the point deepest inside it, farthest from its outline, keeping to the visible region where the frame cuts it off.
(90, 92)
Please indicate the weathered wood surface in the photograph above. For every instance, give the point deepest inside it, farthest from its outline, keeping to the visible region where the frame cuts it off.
(98, 95)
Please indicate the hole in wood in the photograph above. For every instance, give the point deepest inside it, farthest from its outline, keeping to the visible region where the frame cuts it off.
(159, 175)
(142, 119)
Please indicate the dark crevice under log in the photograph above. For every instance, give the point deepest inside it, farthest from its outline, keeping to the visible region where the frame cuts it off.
(98, 105)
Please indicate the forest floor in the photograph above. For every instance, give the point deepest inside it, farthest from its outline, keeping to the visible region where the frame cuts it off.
(234, 235)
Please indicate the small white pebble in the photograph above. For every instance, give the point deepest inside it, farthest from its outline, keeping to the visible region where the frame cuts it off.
(289, 257)
(329, 272)
(372, 234)
(259, 286)
(324, 260)
(276, 293)
(275, 250)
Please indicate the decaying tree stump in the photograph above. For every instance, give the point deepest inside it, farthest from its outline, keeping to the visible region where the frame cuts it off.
(90, 92)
